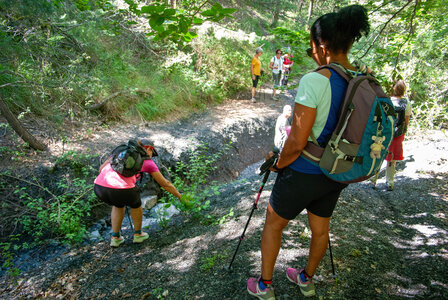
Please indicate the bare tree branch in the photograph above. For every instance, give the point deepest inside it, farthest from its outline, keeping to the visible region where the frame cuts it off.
(384, 27)
(411, 32)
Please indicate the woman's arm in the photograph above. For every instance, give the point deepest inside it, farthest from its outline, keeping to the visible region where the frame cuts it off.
(406, 122)
(252, 71)
(165, 184)
(270, 65)
(302, 123)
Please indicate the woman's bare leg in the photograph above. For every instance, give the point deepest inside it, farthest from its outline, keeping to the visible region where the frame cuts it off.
(116, 218)
(319, 241)
(271, 241)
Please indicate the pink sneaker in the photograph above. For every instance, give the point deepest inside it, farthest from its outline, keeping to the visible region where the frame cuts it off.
(253, 287)
(306, 287)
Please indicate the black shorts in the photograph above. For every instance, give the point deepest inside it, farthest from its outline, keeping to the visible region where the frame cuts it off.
(119, 197)
(294, 191)
(255, 82)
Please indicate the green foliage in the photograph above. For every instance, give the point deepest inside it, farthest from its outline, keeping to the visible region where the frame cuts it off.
(176, 24)
(208, 262)
(7, 250)
(192, 180)
(297, 40)
(58, 210)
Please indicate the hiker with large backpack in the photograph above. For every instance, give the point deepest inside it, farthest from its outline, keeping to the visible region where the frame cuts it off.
(345, 134)
(403, 111)
(116, 185)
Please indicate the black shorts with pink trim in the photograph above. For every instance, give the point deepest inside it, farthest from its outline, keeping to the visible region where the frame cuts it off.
(119, 197)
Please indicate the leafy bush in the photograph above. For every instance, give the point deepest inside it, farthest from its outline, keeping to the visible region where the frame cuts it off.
(192, 180)
(55, 208)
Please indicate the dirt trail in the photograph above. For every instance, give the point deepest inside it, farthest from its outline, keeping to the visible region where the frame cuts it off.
(386, 245)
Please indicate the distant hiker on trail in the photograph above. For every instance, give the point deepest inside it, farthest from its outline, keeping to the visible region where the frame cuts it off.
(282, 127)
(301, 184)
(120, 191)
(255, 71)
(276, 65)
(287, 66)
(403, 108)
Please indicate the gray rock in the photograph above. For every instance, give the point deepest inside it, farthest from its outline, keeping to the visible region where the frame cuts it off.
(149, 222)
(95, 235)
(149, 202)
(102, 222)
(163, 211)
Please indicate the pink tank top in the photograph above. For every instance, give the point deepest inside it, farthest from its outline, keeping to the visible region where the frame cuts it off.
(111, 179)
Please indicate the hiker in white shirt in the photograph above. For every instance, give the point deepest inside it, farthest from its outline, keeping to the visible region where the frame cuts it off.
(276, 65)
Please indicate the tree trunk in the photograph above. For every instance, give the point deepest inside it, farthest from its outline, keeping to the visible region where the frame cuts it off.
(300, 5)
(19, 129)
(310, 11)
(276, 14)
(173, 4)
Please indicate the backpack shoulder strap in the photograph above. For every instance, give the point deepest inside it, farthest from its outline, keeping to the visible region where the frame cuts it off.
(338, 68)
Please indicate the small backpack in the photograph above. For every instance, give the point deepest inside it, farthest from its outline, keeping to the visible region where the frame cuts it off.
(127, 159)
(365, 129)
(400, 110)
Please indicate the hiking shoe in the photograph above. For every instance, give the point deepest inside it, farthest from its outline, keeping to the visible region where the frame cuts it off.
(390, 187)
(253, 287)
(253, 100)
(116, 242)
(140, 238)
(306, 287)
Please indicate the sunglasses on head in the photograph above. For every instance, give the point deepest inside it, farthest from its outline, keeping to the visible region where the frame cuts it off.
(279, 53)
(309, 52)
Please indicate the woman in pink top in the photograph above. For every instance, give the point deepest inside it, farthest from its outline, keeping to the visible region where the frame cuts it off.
(119, 191)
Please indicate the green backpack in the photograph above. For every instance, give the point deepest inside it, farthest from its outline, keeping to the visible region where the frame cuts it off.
(127, 159)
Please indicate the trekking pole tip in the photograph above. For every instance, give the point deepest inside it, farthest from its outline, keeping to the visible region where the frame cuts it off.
(228, 268)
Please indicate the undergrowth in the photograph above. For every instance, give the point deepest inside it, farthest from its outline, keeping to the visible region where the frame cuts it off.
(192, 180)
(52, 205)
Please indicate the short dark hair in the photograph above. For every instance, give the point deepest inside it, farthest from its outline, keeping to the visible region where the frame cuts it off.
(278, 50)
(337, 31)
(399, 88)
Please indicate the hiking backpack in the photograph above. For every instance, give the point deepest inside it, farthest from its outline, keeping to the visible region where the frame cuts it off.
(359, 144)
(400, 110)
(127, 159)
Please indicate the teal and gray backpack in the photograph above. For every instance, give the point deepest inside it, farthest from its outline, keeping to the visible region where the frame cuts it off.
(127, 159)
(360, 141)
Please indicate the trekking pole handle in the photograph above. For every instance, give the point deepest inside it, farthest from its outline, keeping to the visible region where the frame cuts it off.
(270, 162)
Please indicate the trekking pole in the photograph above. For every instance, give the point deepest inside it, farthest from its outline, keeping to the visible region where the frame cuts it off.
(331, 257)
(129, 218)
(264, 169)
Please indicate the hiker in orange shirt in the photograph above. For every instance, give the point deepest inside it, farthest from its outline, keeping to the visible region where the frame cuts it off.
(255, 71)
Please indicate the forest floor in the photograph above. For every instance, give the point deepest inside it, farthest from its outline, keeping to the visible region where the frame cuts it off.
(386, 245)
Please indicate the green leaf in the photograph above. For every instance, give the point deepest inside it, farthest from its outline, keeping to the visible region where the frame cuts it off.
(228, 11)
(149, 9)
(197, 21)
(184, 25)
(209, 13)
(169, 12)
(216, 7)
(156, 21)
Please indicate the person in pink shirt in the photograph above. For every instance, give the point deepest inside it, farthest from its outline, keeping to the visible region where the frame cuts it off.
(119, 191)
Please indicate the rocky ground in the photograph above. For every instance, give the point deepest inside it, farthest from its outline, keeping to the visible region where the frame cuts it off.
(386, 245)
